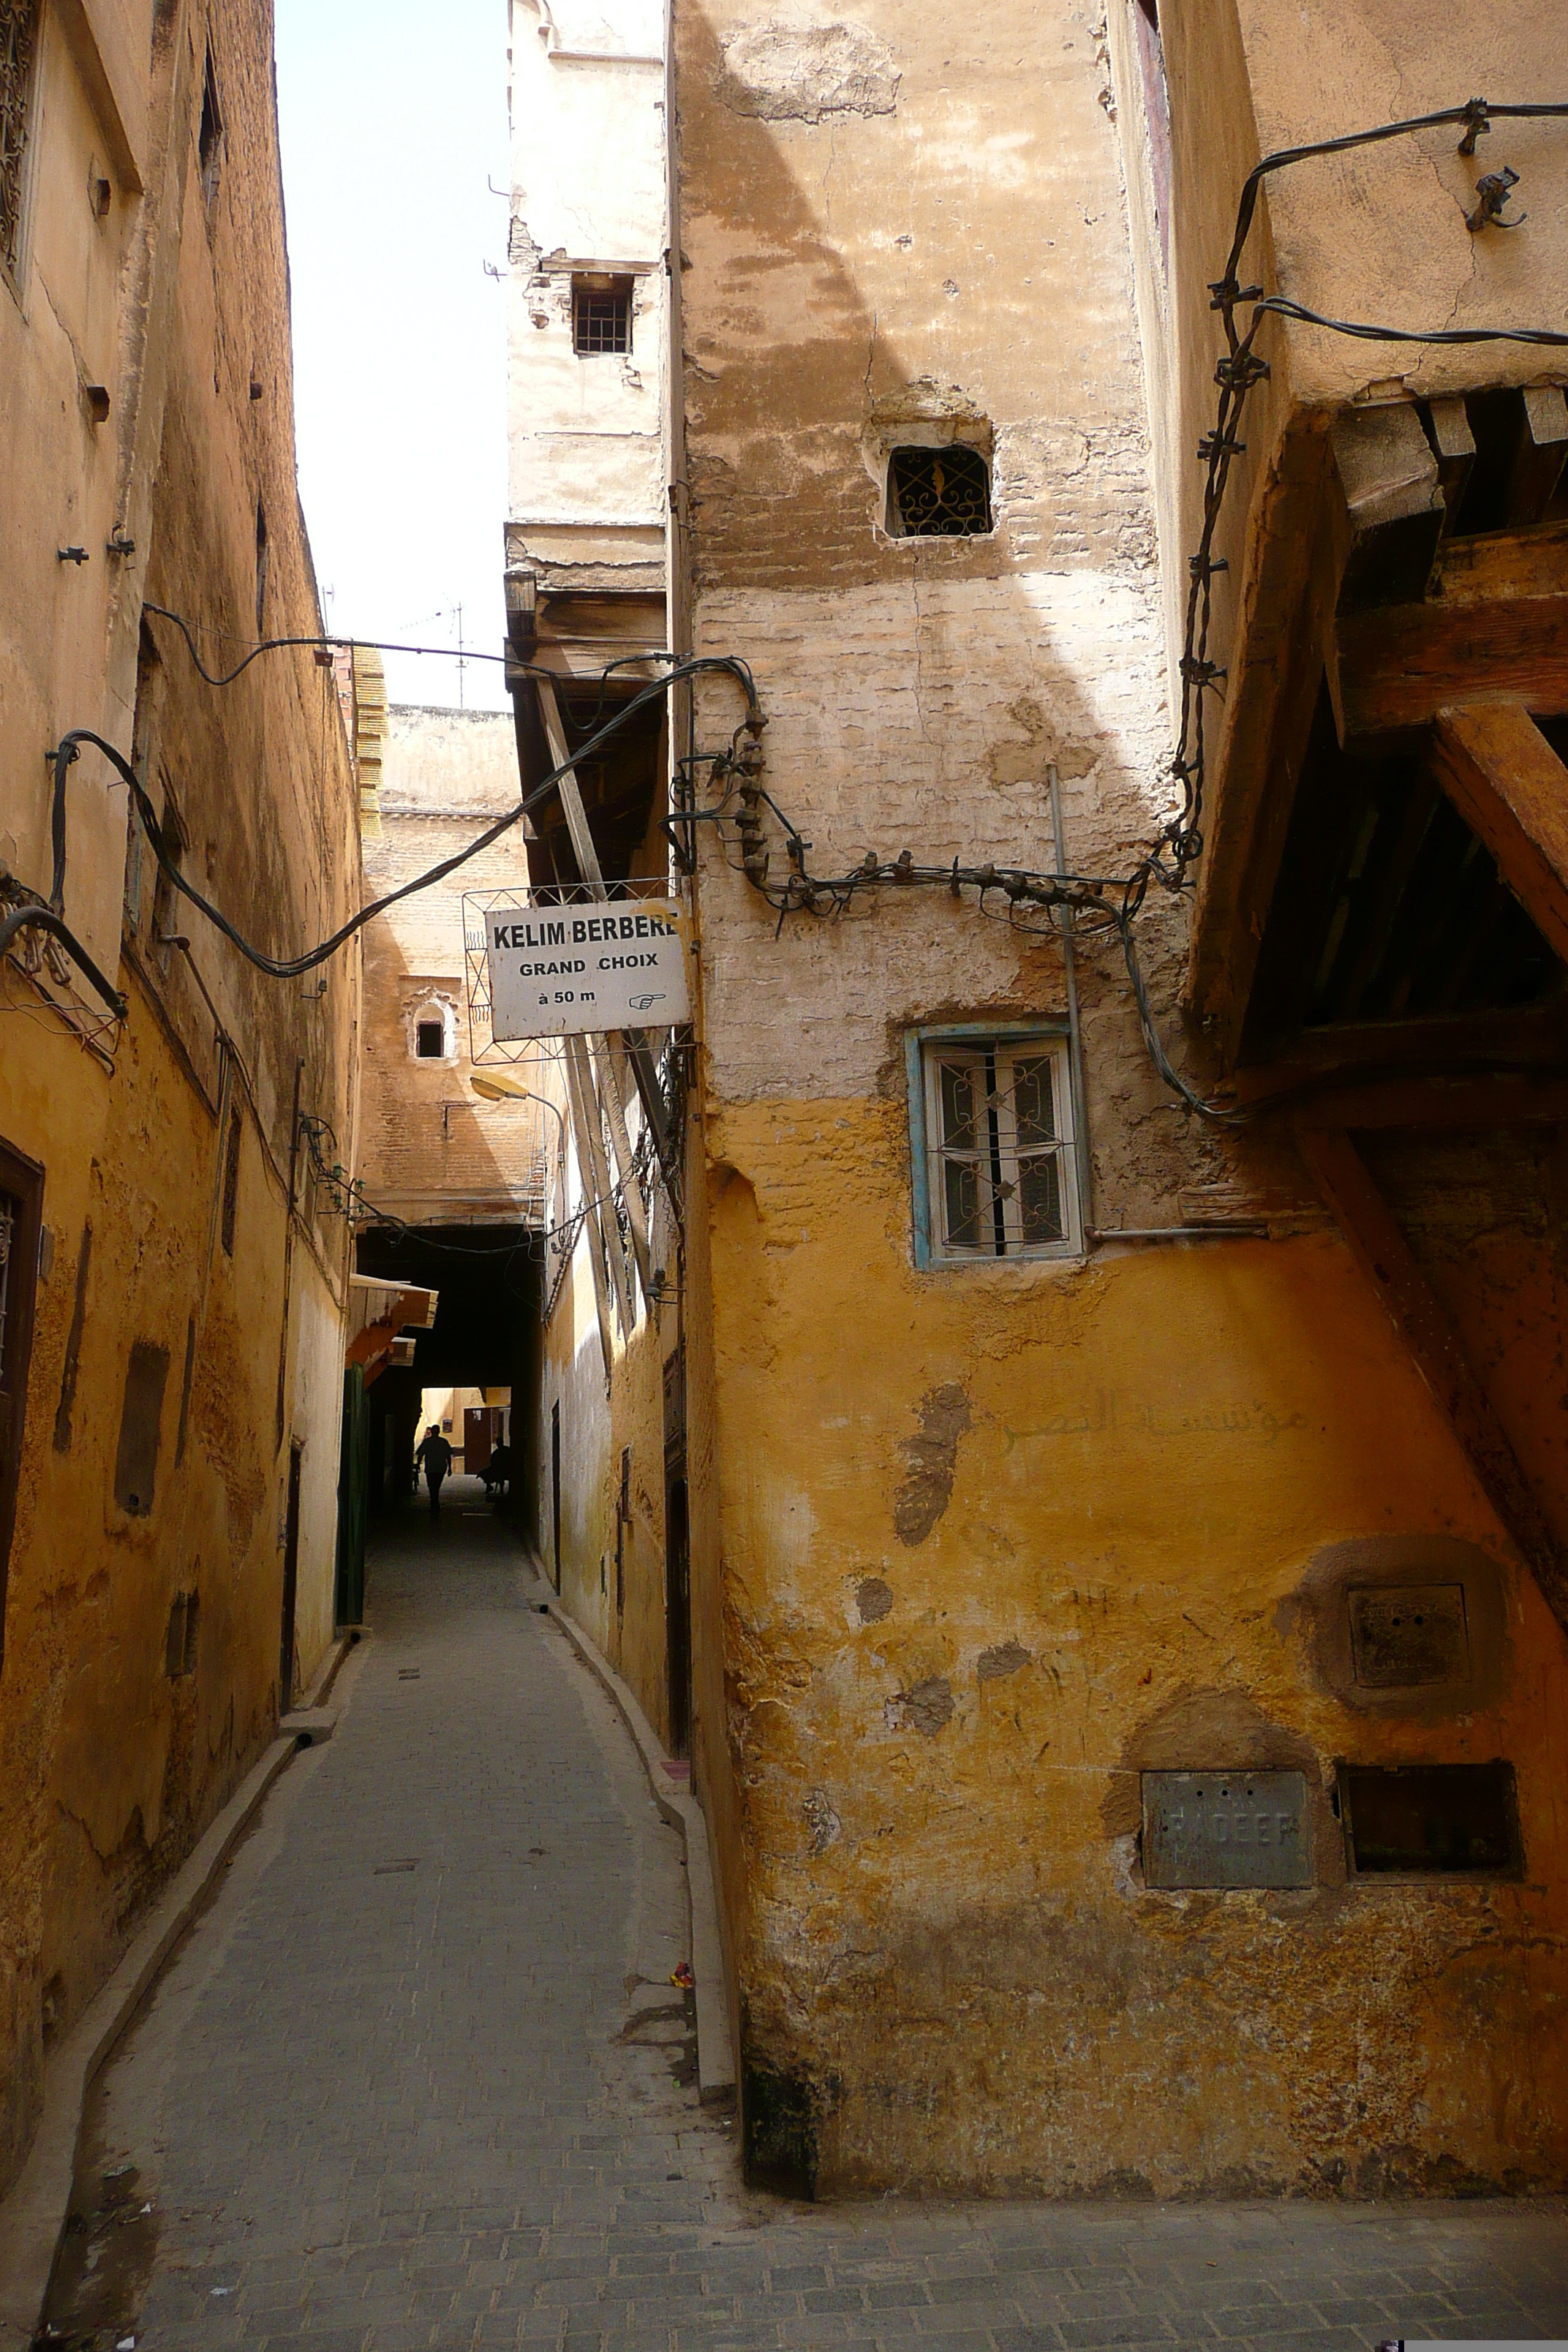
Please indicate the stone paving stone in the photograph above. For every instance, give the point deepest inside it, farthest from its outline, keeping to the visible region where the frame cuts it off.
(479, 2160)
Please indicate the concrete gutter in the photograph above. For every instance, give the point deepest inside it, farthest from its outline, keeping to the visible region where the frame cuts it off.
(715, 2050)
(34, 2214)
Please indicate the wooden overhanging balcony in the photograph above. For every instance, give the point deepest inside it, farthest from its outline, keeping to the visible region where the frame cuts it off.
(390, 1316)
(1384, 889)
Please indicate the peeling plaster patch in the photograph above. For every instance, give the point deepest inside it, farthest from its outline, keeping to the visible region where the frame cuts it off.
(874, 1601)
(929, 1706)
(822, 1821)
(933, 1457)
(1026, 762)
(1007, 1658)
(785, 73)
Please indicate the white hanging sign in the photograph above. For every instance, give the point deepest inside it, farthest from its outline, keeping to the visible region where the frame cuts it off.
(557, 972)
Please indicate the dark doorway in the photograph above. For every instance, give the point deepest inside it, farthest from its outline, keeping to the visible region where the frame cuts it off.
(21, 1205)
(354, 1492)
(677, 1616)
(481, 1423)
(677, 1557)
(290, 1584)
(555, 1491)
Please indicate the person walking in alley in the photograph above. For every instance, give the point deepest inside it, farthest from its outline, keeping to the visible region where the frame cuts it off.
(436, 1455)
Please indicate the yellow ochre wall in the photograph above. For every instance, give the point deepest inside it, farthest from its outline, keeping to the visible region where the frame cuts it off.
(1152, 1458)
(172, 299)
(975, 1546)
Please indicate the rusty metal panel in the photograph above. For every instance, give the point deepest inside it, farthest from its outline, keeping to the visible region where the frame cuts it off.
(1403, 1635)
(1226, 1829)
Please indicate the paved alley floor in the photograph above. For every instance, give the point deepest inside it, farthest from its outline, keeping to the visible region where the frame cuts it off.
(418, 2078)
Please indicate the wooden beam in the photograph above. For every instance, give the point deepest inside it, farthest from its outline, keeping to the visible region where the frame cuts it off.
(634, 1040)
(1397, 668)
(594, 1192)
(608, 1077)
(410, 1306)
(1455, 445)
(1288, 600)
(1489, 1103)
(1452, 1045)
(571, 808)
(1512, 789)
(1540, 451)
(1505, 566)
(1385, 1258)
(1394, 510)
(590, 1139)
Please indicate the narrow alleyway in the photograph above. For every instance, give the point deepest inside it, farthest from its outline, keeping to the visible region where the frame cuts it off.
(419, 2078)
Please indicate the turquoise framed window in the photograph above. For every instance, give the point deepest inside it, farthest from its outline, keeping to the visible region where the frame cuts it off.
(994, 1144)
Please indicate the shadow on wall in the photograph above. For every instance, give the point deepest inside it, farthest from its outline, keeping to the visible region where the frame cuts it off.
(874, 265)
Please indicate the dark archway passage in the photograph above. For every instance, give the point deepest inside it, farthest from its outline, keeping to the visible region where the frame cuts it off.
(484, 1335)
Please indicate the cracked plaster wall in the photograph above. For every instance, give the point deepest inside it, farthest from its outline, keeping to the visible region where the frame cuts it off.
(113, 1767)
(916, 1753)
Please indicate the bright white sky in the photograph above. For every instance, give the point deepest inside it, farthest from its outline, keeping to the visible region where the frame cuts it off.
(393, 118)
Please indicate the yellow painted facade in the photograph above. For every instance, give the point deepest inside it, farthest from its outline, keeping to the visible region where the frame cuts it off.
(179, 1406)
(980, 1548)
(984, 1551)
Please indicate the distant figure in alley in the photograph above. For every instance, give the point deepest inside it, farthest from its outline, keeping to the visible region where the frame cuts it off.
(435, 1455)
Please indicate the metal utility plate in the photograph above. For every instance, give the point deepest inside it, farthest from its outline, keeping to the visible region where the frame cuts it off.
(1226, 1829)
(1405, 1636)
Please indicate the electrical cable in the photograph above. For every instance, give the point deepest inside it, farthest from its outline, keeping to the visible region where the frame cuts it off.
(51, 917)
(1180, 842)
(1167, 861)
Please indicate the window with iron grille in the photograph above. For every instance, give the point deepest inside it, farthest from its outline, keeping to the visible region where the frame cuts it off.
(995, 1163)
(601, 316)
(18, 49)
(939, 493)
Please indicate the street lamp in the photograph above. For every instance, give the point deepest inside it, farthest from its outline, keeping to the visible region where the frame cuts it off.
(492, 1087)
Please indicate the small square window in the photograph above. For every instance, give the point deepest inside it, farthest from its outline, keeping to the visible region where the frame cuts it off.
(996, 1167)
(430, 1042)
(601, 316)
(939, 493)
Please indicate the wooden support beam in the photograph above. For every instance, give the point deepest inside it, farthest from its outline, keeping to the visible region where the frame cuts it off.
(1512, 789)
(587, 1176)
(1399, 668)
(1384, 1255)
(621, 1143)
(1394, 510)
(1455, 448)
(1540, 452)
(596, 1171)
(636, 1040)
(410, 1306)
(521, 613)
(1438, 1103)
(576, 816)
(1529, 1042)
(1497, 626)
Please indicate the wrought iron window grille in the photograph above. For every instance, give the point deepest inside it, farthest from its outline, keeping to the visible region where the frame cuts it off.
(1000, 1178)
(601, 316)
(18, 50)
(939, 493)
